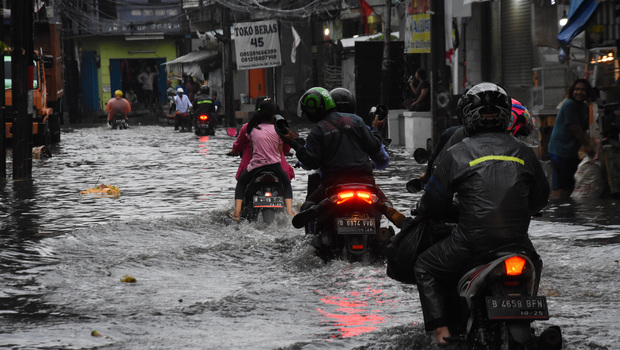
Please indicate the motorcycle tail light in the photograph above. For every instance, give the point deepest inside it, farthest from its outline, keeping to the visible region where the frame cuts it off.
(204, 117)
(514, 265)
(267, 194)
(344, 196)
(357, 247)
(366, 196)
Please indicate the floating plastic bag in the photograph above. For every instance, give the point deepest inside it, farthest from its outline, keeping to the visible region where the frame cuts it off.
(589, 181)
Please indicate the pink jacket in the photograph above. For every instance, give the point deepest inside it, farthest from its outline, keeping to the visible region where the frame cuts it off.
(243, 145)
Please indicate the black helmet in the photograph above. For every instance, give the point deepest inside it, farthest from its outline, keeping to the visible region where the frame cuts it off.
(485, 107)
(259, 99)
(315, 103)
(205, 89)
(344, 100)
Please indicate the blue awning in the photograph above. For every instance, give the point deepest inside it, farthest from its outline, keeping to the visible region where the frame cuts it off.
(576, 21)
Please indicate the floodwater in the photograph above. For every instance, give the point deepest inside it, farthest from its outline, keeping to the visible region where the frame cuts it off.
(205, 282)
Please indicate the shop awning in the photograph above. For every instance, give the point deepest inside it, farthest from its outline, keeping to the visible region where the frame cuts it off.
(577, 20)
(196, 63)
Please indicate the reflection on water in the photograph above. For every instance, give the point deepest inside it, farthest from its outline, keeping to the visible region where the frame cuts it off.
(353, 312)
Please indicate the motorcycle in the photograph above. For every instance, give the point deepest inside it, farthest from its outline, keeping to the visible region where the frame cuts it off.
(205, 124)
(499, 302)
(495, 301)
(264, 196)
(348, 223)
(182, 122)
(119, 122)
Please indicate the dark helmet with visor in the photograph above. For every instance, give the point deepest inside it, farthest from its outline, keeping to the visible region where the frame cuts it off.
(344, 100)
(485, 107)
(315, 103)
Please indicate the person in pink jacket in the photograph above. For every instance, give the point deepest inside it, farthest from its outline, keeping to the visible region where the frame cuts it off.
(266, 148)
(243, 147)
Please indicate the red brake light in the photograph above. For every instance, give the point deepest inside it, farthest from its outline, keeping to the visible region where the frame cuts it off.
(357, 247)
(204, 117)
(365, 196)
(345, 196)
(267, 194)
(514, 265)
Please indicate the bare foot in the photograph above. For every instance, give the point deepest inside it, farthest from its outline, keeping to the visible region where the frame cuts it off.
(440, 333)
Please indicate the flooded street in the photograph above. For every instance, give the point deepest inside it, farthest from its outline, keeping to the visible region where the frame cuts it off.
(205, 282)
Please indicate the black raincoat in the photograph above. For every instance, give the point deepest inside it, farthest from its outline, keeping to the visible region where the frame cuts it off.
(499, 183)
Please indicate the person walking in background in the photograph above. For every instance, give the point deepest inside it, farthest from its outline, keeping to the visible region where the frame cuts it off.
(570, 133)
(191, 88)
(146, 78)
(218, 106)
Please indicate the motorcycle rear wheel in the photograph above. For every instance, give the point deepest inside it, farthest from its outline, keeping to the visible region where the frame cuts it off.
(269, 215)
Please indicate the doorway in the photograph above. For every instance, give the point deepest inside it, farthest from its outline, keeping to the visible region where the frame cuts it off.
(124, 76)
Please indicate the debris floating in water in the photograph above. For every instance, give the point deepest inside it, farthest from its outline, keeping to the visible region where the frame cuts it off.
(104, 190)
(128, 279)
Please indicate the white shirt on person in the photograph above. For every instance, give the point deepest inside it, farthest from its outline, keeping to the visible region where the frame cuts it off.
(182, 103)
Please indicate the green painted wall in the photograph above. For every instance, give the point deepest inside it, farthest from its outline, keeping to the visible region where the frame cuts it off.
(118, 48)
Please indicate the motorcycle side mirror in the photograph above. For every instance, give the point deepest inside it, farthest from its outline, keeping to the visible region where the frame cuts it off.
(420, 155)
(281, 125)
(414, 186)
(387, 142)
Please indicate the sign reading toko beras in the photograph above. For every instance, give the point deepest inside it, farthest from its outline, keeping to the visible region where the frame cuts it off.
(257, 44)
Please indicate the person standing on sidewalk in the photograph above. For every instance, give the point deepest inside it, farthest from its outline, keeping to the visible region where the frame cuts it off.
(570, 133)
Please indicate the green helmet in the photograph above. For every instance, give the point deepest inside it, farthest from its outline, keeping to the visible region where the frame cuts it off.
(315, 103)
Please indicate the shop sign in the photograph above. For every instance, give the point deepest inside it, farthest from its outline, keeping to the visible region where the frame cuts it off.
(257, 44)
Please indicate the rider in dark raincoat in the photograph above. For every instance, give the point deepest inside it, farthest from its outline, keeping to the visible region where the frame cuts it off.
(499, 183)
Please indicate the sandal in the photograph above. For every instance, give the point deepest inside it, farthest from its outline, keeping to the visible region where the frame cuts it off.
(234, 217)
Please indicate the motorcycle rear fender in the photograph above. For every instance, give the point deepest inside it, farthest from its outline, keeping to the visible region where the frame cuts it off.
(520, 331)
(479, 282)
(482, 276)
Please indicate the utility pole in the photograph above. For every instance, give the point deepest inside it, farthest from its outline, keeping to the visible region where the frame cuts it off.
(22, 30)
(229, 87)
(2, 104)
(439, 77)
(385, 66)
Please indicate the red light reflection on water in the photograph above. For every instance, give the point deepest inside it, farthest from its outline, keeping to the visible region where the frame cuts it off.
(354, 313)
(203, 146)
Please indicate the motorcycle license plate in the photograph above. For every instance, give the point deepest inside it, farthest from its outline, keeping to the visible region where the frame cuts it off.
(517, 308)
(268, 202)
(356, 225)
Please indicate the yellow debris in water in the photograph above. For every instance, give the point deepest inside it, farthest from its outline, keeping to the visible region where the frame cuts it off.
(104, 190)
(128, 279)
